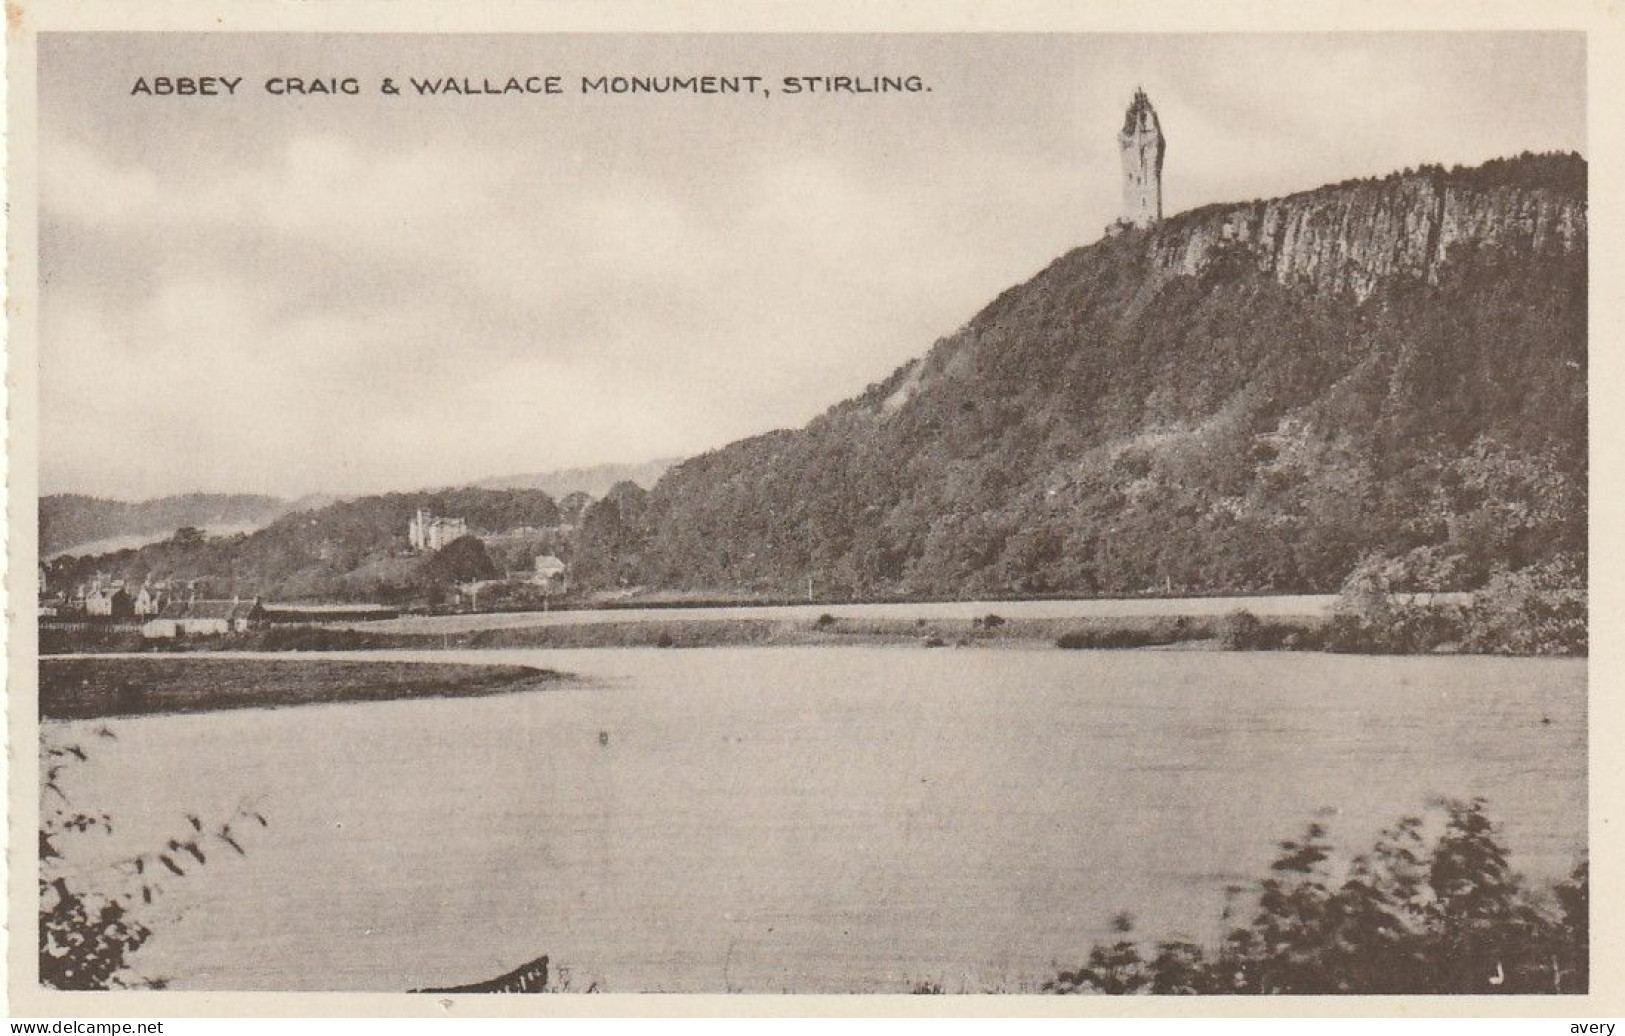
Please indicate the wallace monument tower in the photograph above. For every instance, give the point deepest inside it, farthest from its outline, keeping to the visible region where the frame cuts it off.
(1142, 147)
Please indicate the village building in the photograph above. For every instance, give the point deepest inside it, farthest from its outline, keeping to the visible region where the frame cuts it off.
(198, 617)
(550, 572)
(109, 602)
(150, 600)
(427, 532)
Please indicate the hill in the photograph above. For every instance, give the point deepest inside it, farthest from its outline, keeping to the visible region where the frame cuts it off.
(1385, 376)
(347, 550)
(68, 520)
(595, 481)
(1246, 397)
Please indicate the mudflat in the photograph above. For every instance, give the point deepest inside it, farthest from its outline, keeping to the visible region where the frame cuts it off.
(87, 688)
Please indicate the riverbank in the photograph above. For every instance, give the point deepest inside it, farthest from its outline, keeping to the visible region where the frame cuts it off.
(990, 630)
(1534, 623)
(92, 688)
(1409, 630)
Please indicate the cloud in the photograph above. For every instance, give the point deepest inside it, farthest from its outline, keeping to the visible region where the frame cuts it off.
(365, 295)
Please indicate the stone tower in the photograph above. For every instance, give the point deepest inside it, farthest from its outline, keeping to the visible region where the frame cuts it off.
(1142, 146)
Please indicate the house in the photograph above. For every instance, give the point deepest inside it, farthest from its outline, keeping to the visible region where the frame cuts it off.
(198, 617)
(550, 571)
(426, 532)
(112, 602)
(150, 600)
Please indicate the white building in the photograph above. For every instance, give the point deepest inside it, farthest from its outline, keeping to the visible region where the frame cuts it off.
(110, 602)
(150, 600)
(550, 571)
(197, 617)
(426, 532)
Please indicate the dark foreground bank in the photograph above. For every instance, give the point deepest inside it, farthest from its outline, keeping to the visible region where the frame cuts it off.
(87, 688)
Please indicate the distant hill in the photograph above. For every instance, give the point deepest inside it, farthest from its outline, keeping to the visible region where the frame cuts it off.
(354, 549)
(1244, 397)
(595, 481)
(95, 525)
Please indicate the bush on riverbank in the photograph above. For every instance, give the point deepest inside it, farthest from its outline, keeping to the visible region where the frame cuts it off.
(1405, 918)
(1135, 633)
(1534, 611)
(1530, 611)
(1243, 631)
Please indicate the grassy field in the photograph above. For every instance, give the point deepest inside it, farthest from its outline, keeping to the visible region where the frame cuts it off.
(85, 688)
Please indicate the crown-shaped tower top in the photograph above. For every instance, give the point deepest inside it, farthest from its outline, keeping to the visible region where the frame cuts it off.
(1142, 146)
(1140, 117)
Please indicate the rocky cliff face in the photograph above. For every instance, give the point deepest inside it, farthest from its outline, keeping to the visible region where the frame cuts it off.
(1352, 237)
(1247, 397)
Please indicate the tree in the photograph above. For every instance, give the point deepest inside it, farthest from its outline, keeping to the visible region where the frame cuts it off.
(188, 537)
(574, 506)
(613, 537)
(463, 560)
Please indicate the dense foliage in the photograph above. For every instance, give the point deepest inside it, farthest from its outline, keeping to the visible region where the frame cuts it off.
(1530, 611)
(612, 543)
(1407, 917)
(1109, 427)
(350, 550)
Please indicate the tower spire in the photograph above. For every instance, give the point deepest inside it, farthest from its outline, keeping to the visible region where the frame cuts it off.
(1142, 146)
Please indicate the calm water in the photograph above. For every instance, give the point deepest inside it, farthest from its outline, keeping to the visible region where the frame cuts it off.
(808, 819)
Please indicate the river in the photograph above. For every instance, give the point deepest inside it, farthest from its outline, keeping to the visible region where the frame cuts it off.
(818, 819)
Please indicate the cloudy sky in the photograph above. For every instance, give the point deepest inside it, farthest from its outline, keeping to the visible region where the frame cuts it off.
(357, 293)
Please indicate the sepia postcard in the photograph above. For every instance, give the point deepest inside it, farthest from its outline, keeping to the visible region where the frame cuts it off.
(824, 513)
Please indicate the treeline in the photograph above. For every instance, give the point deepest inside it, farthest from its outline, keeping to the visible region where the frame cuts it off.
(350, 550)
(1563, 171)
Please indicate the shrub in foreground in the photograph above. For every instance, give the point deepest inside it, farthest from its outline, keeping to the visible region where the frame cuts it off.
(89, 933)
(1407, 917)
